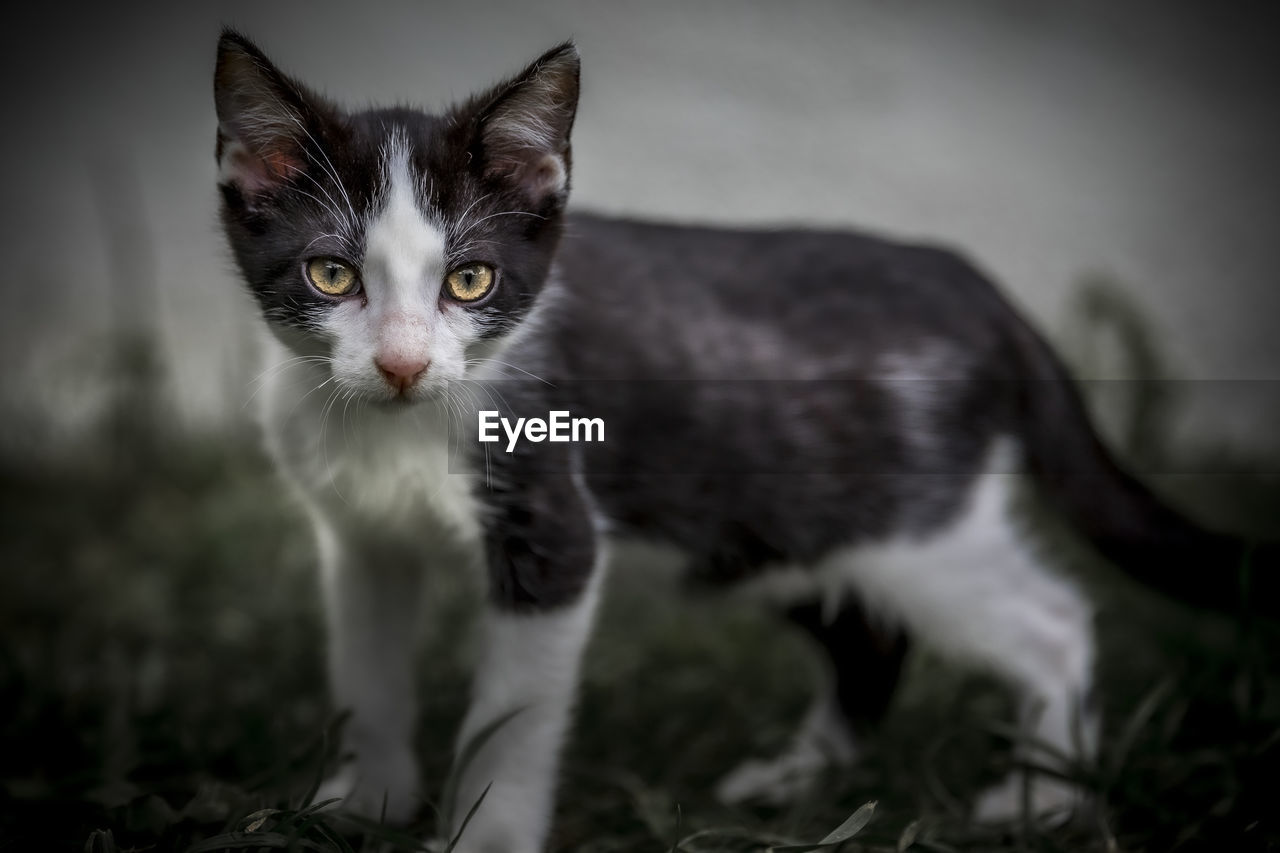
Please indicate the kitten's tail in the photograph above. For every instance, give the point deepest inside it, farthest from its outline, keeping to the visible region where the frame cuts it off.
(1123, 519)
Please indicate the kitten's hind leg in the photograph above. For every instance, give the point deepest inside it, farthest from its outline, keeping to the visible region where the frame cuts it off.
(864, 661)
(976, 593)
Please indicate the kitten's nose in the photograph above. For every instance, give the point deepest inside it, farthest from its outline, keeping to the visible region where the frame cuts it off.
(400, 373)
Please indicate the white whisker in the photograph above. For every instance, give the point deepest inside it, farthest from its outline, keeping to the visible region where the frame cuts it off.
(482, 360)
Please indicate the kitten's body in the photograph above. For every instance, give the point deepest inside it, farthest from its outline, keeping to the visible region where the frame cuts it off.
(827, 407)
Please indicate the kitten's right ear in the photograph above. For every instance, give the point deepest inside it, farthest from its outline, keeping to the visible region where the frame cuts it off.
(524, 125)
(262, 115)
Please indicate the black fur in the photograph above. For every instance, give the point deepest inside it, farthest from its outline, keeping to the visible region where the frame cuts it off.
(741, 376)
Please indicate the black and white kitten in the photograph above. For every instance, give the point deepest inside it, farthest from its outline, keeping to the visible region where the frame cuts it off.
(832, 416)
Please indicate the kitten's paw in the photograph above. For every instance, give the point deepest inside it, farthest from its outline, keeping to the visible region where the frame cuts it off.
(777, 781)
(507, 818)
(823, 742)
(773, 783)
(484, 842)
(1048, 802)
(390, 797)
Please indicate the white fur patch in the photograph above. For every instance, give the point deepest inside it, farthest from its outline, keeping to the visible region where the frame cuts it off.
(404, 250)
(388, 465)
(372, 584)
(401, 317)
(976, 591)
(530, 668)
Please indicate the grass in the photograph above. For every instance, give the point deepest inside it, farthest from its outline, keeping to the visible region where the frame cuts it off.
(162, 688)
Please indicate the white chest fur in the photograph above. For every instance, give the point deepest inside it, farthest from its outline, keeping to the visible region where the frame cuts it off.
(387, 466)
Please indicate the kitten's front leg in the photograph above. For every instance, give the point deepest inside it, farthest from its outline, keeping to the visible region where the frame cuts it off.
(372, 583)
(546, 572)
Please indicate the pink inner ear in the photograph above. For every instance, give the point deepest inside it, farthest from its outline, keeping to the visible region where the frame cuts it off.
(281, 164)
(257, 173)
(537, 173)
(548, 174)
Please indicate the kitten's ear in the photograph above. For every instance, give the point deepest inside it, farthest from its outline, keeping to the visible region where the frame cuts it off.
(524, 128)
(262, 116)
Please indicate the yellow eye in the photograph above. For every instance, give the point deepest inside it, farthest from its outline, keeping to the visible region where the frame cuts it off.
(332, 277)
(469, 283)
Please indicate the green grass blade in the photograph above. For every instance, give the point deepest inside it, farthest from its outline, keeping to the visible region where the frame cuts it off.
(475, 807)
(103, 837)
(909, 835)
(1018, 737)
(852, 826)
(240, 841)
(466, 755)
(1138, 721)
(331, 734)
(335, 838)
(842, 833)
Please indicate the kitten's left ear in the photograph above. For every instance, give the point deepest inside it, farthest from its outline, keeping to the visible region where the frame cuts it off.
(524, 127)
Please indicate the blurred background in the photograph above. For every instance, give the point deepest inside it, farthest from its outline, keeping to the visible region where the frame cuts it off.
(1049, 141)
(1114, 166)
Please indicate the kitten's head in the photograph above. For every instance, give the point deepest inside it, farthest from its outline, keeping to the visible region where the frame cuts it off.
(400, 246)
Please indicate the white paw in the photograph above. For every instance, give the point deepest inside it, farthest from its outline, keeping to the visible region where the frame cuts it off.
(389, 795)
(783, 779)
(482, 840)
(1048, 801)
(500, 846)
(774, 782)
(822, 742)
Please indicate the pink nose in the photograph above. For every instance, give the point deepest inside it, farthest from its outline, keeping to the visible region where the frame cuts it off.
(400, 373)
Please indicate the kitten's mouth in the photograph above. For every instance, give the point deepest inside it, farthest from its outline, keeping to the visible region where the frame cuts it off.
(408, 399)
(400, 400)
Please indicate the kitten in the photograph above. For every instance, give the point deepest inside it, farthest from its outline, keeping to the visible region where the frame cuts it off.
(802, 410)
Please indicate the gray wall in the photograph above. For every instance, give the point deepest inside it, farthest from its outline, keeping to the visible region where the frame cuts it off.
(1049, 140)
